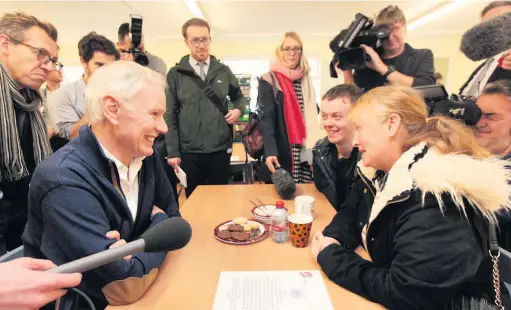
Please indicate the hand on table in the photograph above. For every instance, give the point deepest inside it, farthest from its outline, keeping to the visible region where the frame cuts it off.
(319, 243)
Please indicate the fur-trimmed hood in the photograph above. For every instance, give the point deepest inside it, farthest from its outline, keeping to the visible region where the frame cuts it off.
(483, 183)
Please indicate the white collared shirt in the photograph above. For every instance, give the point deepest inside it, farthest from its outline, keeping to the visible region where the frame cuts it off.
(128, 179)
(195, 65)
(480, 79)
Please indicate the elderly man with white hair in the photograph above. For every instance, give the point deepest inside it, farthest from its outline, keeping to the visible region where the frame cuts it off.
(107, 187)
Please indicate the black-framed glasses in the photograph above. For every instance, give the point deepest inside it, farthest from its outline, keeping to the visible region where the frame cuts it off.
(197, 41)
(42, 55)
(296, 50)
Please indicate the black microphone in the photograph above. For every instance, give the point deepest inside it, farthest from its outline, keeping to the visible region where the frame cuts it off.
(169, 235)
(488, 38)
(284, 183)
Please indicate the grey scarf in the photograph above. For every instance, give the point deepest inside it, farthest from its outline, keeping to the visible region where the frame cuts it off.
(12, 162)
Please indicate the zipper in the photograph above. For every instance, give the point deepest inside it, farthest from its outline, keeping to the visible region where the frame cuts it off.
(365, 181)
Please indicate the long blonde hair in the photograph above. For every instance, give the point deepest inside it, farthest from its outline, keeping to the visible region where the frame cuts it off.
(304, 65)
(442, 133)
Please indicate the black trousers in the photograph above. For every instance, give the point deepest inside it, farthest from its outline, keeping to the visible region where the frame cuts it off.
(13, 219)
(205, 169)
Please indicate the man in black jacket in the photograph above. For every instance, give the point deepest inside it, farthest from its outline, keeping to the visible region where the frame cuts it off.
(28, 52)
(334, 158)
(493, 69)
(396, 62)
(198, 114)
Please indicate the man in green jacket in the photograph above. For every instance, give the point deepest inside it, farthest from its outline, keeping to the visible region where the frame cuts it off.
(200, 126)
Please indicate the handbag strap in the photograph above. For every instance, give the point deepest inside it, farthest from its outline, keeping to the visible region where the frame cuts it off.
(495, 254)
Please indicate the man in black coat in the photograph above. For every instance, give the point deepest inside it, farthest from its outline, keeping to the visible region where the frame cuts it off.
(395, 62)
(28, 52)
(334, 158)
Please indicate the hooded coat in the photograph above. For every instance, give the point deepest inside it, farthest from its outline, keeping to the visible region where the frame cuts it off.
(425, 227)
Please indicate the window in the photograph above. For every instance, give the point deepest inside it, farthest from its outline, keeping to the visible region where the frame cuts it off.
(256, 66)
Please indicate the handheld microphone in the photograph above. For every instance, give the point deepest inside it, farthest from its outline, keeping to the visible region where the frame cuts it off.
(284, 183)
(488, 38)
(169, 235)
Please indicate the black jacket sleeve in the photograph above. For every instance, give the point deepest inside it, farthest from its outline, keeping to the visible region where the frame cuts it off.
(172, 116)
(425, 74)
(266, 112)
(238, 100)
(343, 227)
(422, 275)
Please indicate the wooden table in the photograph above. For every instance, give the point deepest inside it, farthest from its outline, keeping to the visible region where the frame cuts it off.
(188, 278)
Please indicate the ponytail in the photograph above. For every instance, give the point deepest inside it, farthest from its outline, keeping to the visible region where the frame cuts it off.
(448, 136)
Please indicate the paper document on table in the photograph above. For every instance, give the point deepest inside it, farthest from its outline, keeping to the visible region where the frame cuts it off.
(272, 290)
(181, 175)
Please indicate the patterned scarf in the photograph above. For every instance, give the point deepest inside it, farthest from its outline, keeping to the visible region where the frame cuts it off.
(12, 162)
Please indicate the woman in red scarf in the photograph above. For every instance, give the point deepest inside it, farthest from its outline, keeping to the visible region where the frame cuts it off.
(288, 112)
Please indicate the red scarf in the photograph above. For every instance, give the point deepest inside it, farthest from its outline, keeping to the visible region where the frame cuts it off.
(295, 124)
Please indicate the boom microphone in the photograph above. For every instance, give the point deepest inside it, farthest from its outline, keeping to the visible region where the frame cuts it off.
(488, 38)
(169, 235)
(284, 183)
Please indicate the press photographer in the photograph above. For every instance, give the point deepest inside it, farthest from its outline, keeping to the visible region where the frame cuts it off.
(488, 41)
(134, 49)
(392, 61)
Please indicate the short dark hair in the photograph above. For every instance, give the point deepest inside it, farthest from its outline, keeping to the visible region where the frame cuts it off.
(124, 29)
(199, 22)
(494, 5)
(343, 90)
(14, 25)
(500, 87)
(94, 42)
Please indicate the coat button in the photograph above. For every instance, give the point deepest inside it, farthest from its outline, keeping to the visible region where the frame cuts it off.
(361, 224)
(365, 190)
(372, 239)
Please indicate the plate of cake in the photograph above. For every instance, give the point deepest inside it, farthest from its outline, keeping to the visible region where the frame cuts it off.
(241, 231)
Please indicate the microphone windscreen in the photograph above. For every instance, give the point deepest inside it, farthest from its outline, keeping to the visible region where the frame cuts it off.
(284, 184)
(487, 38)
(172, 234)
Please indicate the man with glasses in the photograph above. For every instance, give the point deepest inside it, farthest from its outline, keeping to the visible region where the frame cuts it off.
(200, 136)
(95, 51)
(28, 53)
(396, 62)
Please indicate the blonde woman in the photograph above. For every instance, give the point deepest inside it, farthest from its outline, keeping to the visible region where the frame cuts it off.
(424, 194)
(288, 112)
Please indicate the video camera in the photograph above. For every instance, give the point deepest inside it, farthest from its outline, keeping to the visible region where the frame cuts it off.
(346, 45)
(136, 38)
(456, 107)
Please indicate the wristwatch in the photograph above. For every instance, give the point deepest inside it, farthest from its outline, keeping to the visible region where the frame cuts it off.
(389, 71)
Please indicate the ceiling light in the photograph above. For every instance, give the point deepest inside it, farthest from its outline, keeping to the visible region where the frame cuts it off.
(194, 8)
(449, 7)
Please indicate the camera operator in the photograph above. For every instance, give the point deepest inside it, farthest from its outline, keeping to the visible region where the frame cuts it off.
(497, 67)
(124, 45)
(399, 63)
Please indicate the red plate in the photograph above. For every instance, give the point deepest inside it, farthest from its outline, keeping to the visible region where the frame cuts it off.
(263, 234)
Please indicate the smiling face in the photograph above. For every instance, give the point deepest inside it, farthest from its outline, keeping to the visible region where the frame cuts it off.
(335, 119)
(139, 121)
(380, 141)
(494, 127)
(21, 60)
(291, 52)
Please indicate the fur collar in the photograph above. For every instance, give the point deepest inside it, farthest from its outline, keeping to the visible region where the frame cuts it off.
(483, 183)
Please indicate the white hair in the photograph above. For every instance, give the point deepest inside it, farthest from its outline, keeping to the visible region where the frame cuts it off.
(121, 80)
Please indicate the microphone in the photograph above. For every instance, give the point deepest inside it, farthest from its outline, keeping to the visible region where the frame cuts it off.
(172, 234)
(488, 38)
(284, 183)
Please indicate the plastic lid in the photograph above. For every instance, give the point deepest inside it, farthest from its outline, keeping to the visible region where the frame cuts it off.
(279, 204)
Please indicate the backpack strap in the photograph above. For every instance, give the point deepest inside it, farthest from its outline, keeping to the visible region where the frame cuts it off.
(272, 80)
